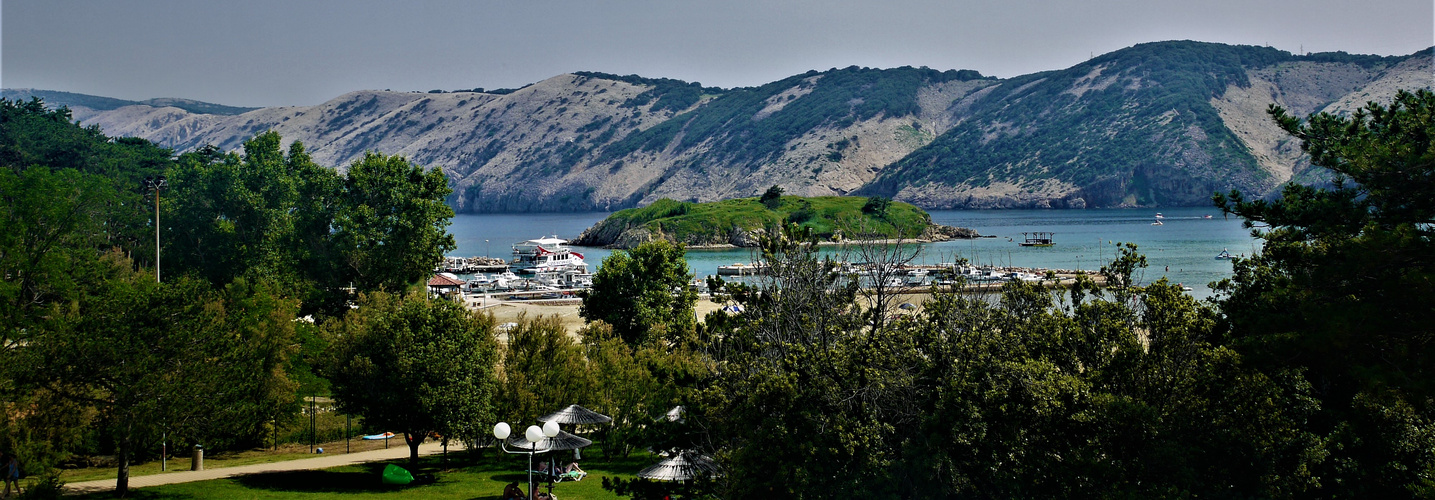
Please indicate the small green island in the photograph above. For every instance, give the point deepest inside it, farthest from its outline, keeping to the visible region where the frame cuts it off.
(740, 222)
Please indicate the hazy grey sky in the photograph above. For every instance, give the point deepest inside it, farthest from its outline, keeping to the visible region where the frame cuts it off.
(297, 52)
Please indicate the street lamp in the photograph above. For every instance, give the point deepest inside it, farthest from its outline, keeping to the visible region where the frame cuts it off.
(533, 435)
(155, 183)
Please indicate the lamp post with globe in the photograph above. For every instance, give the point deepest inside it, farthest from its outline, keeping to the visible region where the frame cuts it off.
(533, 435)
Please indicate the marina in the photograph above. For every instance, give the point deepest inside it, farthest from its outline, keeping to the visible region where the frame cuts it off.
(1181, 250)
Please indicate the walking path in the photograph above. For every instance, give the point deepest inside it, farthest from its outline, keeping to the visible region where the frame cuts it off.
(323, 462)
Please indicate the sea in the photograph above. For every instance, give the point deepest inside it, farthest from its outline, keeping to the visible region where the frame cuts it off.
(1182, 249)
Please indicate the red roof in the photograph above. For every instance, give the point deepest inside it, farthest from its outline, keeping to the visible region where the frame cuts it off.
(441, 280)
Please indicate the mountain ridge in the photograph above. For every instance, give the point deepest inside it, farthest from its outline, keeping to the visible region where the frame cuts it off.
(1158, 124)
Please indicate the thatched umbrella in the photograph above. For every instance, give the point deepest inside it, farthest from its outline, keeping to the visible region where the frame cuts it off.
(576, 415)
(683, 467)
(563, 441)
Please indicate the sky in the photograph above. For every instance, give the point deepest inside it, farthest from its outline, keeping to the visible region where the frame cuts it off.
(305, 52)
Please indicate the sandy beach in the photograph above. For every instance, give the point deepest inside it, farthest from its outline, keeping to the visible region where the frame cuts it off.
(567, 310)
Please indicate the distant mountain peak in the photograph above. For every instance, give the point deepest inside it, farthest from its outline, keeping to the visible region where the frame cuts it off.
(1154, 124)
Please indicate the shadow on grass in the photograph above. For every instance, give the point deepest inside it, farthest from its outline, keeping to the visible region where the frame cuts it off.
(366, 479)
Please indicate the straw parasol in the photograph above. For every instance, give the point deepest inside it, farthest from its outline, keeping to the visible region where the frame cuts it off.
(563, 441)
(575, 415)
(683, 467)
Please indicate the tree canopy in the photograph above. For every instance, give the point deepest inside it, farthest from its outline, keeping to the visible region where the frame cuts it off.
(1343, 287)
(644, 294)
(415, 364)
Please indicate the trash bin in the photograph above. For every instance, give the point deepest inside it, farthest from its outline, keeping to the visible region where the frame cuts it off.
(198, 462)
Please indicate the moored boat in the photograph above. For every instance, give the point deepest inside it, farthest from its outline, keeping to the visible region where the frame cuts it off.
(544, 255)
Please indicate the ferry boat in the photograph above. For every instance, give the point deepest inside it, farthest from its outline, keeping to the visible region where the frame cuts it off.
(548, 254)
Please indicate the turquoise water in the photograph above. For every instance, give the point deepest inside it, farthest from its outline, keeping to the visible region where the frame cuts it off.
(1183, 249)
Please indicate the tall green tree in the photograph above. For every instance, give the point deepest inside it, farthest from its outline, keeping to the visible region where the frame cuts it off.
(1342, 291)
(52, 225)
(152, 358)
(415, 365)
(543, 370)
(391, 229)
(644, 294)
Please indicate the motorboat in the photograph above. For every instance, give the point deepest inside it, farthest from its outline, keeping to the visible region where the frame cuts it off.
(740, 269)
(1159, 216)
(506, 280)
(547, 254)
(1158, 223)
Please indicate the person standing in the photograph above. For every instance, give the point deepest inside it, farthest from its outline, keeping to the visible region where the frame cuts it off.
(10, 473)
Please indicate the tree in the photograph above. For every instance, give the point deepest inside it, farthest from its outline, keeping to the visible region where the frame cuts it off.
(415, 364)
(52, 224)
(644, 294)
(637, 386)
(277, 216)
(176, 357)
(772, 198)
(1342, 288)
(390, 231)
(877, 206)
(543, 370)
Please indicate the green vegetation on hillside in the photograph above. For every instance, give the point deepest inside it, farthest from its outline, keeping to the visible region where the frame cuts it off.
(837, 98)
(826, 216)
(1033, 127)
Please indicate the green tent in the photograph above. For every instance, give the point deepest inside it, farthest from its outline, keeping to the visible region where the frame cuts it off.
(394, 474)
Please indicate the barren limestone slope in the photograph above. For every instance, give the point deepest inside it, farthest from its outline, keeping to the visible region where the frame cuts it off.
(1304, 88)
(1163, 123)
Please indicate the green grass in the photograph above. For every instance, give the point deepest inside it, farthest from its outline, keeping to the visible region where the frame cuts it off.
(468, 476)
(712, 223)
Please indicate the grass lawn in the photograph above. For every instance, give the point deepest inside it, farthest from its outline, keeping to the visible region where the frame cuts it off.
(214, 460)
(468, 476)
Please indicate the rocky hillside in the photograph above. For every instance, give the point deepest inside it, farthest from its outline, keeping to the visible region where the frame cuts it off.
(1155, 124)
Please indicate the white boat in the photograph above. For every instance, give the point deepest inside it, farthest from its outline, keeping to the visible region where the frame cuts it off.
(1159, 216)
(740, 269)
(548, 254)
(1224, 255)
(1158, 223)
(506, 280)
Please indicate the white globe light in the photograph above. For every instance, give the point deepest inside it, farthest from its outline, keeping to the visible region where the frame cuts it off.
(501, 431)
(550, 428)
(534, 434)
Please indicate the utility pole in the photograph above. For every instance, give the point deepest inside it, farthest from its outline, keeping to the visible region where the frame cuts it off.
(155, 184)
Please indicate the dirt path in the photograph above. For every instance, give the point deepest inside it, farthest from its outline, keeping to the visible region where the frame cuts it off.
(321, 462)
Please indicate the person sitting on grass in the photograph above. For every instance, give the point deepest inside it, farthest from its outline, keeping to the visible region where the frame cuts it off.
(512, 492)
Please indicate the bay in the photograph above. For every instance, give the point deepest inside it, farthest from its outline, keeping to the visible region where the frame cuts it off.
(1182, 249)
